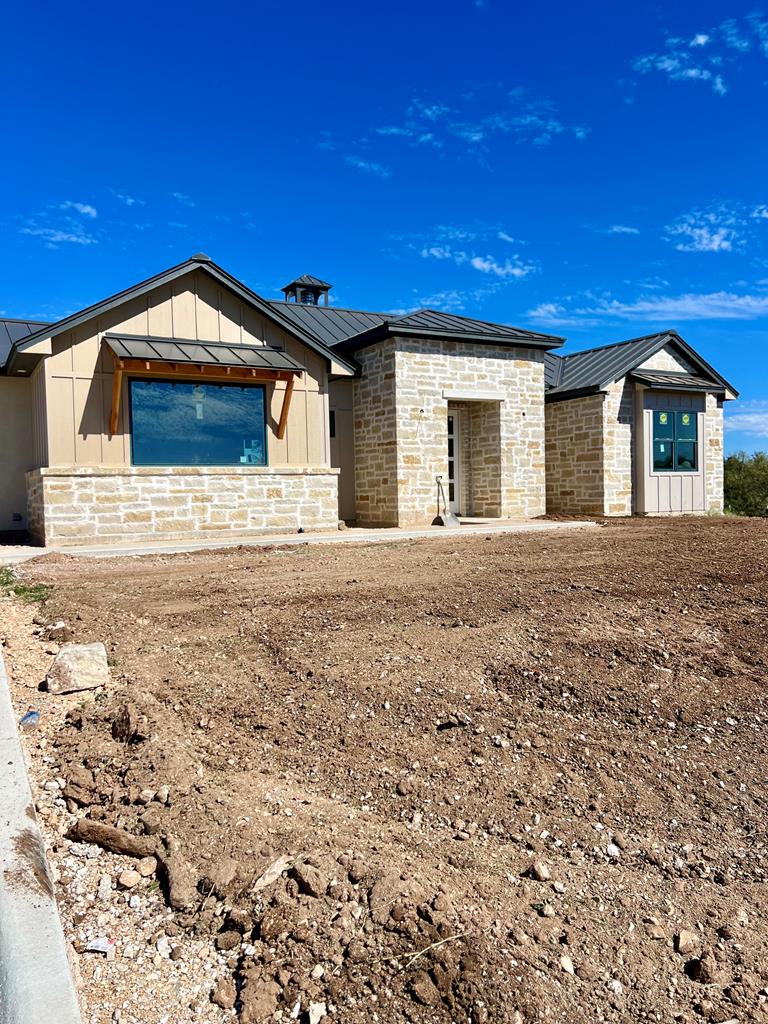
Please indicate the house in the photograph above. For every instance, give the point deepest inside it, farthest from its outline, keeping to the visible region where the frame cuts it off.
(188, 407)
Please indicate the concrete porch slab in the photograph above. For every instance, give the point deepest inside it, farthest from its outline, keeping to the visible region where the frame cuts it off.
(354, 535)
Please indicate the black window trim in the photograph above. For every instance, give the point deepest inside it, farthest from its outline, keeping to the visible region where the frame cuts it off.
(139, 379)
(675, 469)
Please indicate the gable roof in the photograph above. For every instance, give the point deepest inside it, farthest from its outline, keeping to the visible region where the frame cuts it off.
(591, 371)
(198, 262)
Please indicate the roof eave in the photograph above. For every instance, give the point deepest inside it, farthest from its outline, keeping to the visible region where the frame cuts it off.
(554, 395)
(395, 330)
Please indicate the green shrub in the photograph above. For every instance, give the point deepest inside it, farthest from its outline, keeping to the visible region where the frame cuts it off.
(746, 484)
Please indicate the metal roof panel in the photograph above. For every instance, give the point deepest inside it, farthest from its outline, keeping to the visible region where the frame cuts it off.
(206, 353)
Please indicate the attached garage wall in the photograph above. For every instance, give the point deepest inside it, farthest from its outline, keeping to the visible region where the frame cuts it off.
(17, 456)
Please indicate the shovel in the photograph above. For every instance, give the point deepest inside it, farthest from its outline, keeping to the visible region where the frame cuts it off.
(446, 518)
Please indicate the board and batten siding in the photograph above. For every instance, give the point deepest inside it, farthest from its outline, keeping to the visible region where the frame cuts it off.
(670, 493)
(74, 396)
(16, 430)
(341, 403)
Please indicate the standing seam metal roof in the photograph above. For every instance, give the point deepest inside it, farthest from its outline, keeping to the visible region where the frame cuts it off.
(594, 369)
(172, 350)
(12, 331)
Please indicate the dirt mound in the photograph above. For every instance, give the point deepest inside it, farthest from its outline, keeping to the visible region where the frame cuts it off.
(513, 779)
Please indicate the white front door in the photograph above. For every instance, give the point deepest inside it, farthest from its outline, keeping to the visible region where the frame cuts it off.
(454, 468)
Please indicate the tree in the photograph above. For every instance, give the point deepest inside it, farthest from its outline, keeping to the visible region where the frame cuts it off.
(746, 484)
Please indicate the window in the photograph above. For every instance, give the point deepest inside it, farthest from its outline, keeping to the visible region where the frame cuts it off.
(332, 422)
(185, 424)
(675, 442)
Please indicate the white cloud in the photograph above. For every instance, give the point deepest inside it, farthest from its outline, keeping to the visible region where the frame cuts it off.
(748, 418)
(53, 237)
(622, 229)
(734, 37)
(182, 198)
(716, 230)
(504, 237)
(703, 57)
(553, 314)
(128, 200)
(369, 166)
(513, 113)
(652, 309)
(488, 265)
(512, 267)
(84, 209)
(760, 212)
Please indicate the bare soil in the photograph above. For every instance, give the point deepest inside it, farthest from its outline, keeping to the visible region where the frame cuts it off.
(422, 728)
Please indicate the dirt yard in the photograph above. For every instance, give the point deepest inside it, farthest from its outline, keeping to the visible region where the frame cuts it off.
(513, 779)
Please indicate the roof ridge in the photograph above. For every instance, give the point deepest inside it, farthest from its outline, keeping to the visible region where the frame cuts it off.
(618, 344)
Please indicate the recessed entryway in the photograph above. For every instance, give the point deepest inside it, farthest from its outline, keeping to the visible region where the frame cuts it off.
(454, 462)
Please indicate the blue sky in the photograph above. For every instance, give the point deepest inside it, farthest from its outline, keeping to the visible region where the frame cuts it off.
(593, 170)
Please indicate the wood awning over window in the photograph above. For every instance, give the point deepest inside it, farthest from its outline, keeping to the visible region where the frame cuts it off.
(166, 358)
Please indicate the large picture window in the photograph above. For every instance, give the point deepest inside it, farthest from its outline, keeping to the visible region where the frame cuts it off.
(675, 442)
(184, 424)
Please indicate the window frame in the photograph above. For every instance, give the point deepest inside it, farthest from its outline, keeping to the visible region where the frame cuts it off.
(195, 381)
(675, 469)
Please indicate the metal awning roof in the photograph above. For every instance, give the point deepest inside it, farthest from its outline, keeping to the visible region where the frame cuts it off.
(201, 353)
(671, 381)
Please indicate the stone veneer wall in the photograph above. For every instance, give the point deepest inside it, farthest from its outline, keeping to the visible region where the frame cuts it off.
(375, 436)
(575, 456)
(114, 505)
(480, 458)
(424, 370)
(401, 429)
(619, 448)
(713, 454)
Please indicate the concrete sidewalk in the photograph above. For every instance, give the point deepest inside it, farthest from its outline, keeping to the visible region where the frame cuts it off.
(13, 555)
(36, 984)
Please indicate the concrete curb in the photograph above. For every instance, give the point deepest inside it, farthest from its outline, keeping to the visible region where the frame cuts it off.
(354, 535)
(36, 985)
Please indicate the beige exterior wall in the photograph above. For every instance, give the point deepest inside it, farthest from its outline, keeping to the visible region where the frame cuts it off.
(74, 396)
(17, 450)
(118, 506)
(575, 453)
(401, 408)
(340, 403)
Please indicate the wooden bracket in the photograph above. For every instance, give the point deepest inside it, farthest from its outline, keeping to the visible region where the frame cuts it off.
(117, 391)
(284, 411)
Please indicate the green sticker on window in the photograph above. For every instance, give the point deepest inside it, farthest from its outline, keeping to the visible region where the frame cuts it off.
(686, 418)
(663, 417)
